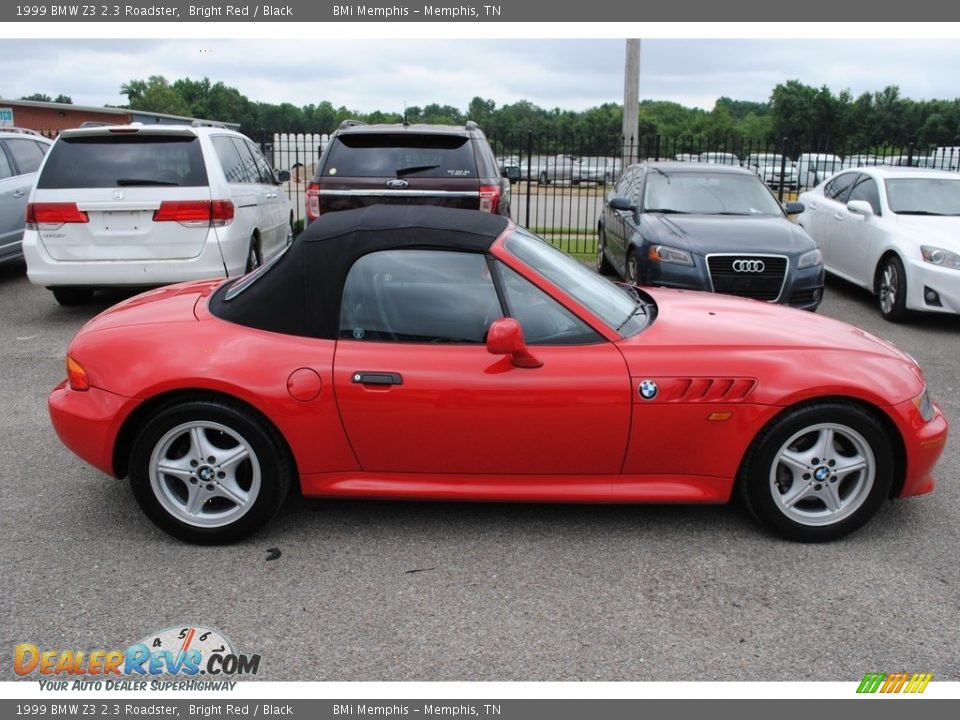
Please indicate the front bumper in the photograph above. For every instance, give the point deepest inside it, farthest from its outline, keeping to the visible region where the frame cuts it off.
(802, 288)
(945, 282)
(923, 442)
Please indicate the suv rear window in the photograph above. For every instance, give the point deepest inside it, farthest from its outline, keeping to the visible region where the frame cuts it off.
(400, 155)
(106, 161)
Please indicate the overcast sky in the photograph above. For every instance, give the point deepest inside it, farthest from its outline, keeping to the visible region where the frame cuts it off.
(366, 75)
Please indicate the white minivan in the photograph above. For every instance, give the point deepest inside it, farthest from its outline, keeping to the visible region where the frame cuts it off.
(144, 205)
(814, 168)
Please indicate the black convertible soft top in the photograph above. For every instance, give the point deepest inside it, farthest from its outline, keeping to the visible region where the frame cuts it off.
(300, 293)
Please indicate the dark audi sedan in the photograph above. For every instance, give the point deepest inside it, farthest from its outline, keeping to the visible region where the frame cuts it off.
(707, 227)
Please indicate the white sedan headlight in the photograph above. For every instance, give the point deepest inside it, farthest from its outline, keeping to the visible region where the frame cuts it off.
(941, 257)
(809, 259)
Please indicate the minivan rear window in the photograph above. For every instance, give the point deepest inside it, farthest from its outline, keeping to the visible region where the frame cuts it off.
(401, 155)
(109, 161)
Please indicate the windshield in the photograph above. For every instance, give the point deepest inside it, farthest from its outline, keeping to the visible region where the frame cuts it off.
(620, 307)
(709, 194)
(924, 196)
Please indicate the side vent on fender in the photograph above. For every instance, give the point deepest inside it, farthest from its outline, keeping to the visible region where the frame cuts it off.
(707, 390)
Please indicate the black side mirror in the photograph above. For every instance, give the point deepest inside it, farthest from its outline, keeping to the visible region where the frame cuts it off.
(511, 173)
(793, 207)
(622, 203)
(282, 176)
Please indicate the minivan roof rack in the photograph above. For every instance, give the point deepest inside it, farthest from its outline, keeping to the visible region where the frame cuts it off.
(19, 130)
(207, 123)
(471, 125)
(350, 123)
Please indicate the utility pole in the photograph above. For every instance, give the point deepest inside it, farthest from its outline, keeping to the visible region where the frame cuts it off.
(631, 102)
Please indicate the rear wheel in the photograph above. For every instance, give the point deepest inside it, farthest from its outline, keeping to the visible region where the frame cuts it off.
(544, 180)
(892, 289)
(604, 267)
(70, 296)
(819, 472)
(253, 255)
(208, 471)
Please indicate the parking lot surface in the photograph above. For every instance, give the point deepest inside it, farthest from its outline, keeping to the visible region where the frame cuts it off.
(433, 591)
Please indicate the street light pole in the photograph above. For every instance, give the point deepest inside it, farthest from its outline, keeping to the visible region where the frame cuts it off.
(631, 102)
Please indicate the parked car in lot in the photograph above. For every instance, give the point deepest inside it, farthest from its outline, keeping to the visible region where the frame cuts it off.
(814, 168)
(140, 205)
(894, 231)
(21, 152)
(452, 166)
(718, 158)
(431, 353)
(773, 169)
(707, 227)
(862, 160)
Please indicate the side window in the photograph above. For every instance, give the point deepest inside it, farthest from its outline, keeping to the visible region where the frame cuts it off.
(5, 169)
(419, 296)
(233, 169)
(867, 190)
(251, 173)
(264, 171)
(26, 154)
(837, 188)
(543, 319)
(624, 182)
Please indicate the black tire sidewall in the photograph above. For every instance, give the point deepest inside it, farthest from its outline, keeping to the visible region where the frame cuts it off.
(899, 310)
(274, 470)
(755, 483)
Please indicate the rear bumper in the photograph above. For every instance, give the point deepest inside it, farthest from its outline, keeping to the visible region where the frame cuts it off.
(88, 422)
(42, 269)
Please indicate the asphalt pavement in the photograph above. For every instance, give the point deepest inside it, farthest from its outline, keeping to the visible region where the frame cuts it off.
(345, 590)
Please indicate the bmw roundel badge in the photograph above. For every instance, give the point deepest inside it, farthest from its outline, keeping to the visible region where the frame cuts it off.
(648, 389)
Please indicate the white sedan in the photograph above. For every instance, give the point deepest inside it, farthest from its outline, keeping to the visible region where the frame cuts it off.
(894, 231)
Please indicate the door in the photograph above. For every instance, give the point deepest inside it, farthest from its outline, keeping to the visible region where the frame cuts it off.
(19, 160)
(418, 391)
(857, 234)
(829, 214)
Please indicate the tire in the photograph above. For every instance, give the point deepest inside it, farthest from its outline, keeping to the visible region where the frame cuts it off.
(603, 265)
(544, 180)
(254, 258)
(72, 296)
(204, 501)
(818, 472)
(892, 289)
(631, 274)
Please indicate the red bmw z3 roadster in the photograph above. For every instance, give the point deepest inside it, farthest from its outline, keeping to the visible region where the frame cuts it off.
(420, 352)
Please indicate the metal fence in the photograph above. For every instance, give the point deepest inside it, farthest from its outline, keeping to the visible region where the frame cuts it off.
(564, 180)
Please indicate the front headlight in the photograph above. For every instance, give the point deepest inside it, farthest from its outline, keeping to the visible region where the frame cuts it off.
(941, 257)
(924, 405)
(809, 259)
(666, 254)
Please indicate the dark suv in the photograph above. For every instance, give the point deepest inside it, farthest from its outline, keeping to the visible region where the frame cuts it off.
(406, 164)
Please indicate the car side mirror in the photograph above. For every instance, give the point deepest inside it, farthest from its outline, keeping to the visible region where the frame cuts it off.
(505, 337)
(511, 173)
(860, 207)
(622, 203)
(282, 176)
(793, 207)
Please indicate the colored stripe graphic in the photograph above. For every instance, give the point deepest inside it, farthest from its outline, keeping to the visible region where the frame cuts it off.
(894, 682)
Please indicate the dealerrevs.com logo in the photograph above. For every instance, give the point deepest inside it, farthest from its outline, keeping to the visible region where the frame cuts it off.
(185, 652)
(910, 683)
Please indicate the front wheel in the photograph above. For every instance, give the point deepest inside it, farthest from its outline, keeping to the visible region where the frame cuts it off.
(544, 180)
(892, 290)
(208, 472)
(632, 275)
(819, 472)
(254, 258)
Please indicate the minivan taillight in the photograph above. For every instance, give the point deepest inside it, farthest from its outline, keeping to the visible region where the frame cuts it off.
(50, 216)
(195, 213)
(490, 197)
(313, 201)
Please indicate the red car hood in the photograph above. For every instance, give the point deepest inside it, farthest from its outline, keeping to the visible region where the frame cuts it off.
(791, 353)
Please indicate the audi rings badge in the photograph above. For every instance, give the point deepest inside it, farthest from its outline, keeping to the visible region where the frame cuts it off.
(748, 266)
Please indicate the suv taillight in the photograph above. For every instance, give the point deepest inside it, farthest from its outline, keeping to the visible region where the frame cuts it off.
(195, 213)
(313, 201)
(490, 197)
(53, 215)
